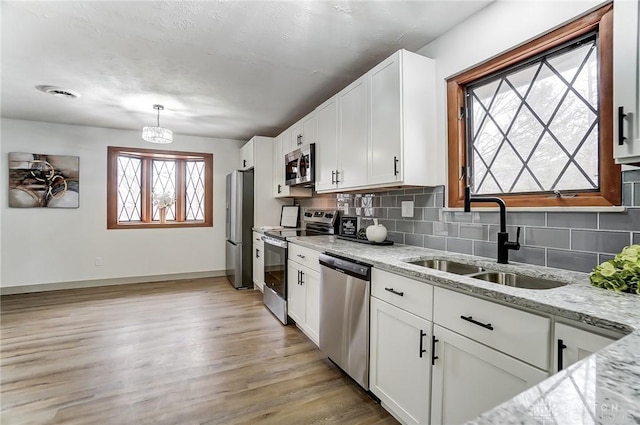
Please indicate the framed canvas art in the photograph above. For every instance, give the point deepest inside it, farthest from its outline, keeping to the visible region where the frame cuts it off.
(43, 181)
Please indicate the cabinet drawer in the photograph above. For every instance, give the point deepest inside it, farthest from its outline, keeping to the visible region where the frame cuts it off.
(305, 256)
(408, 294)
(514, 332)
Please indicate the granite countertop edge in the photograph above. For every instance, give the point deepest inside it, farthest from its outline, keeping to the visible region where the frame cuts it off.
(618, 365)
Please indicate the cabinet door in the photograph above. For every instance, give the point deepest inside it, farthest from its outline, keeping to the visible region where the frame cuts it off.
(470, 378)
(309, 129)
(326, 145)
(311, 283)
(258, 266)
(399, 369)
(385, 141)
(352, 144)
(246, 156)
(573, 344)
(279, 188)
(295, 293)
(626, 62)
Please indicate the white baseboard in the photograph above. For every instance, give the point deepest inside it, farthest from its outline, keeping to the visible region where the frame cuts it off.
(24, 289)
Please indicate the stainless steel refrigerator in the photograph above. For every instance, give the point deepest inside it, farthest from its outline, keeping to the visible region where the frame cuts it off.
(239, 223)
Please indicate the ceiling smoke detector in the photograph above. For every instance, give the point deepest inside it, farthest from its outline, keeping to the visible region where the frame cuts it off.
(59, 92)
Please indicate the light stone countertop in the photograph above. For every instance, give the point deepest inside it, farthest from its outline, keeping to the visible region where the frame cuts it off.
(601, 389)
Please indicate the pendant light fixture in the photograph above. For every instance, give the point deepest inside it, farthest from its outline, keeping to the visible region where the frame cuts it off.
(157, 134)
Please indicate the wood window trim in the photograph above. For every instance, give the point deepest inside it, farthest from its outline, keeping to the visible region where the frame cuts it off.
(112, 188)
(610, 192)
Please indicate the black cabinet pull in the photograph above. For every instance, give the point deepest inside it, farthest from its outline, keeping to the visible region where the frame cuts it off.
(422, 335)
(333, 178)
(561, 347)
(279, 188)
(257, 253)
(395, 165)
(299, 137)
(337, 174)
(621, 116)
(244, 163)
(300, 255)
(301, 277)
(475, 322)
(394, 291)
(433, 350)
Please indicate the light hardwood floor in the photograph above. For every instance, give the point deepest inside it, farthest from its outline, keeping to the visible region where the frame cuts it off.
(183, 352)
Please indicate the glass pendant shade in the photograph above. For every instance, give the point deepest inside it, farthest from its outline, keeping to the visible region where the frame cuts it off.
(157, 134)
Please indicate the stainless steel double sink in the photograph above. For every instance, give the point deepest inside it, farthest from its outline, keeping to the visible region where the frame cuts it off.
(501, 278)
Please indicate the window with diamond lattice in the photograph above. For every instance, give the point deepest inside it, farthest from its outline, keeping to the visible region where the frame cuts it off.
(534, 125)
(137, 176)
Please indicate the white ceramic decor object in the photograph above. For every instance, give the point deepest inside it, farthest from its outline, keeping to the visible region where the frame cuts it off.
(376, 232)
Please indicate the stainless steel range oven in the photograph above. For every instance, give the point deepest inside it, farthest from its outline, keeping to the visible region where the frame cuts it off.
(315, 222)
(275, 276)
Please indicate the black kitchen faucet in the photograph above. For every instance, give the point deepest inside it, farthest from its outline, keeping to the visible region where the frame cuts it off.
(504, 245)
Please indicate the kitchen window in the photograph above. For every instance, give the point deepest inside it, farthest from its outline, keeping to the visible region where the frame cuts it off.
(135, 175)
(534, 125)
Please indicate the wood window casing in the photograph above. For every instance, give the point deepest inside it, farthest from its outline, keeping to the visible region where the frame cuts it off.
(609, 192)
(147, 156)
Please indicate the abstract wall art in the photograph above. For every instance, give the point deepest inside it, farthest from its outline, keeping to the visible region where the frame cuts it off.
(38, 180)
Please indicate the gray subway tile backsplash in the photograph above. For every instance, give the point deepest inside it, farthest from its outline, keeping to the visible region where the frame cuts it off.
(404, 226)
(485, 249)
(478, 232)
(544, 236)
(464, 246)
(529, 255)
(575, 220)
(567, 240)
(435, 242)
(413, 239)
(629, 220)
(599, 241)
(572, 260)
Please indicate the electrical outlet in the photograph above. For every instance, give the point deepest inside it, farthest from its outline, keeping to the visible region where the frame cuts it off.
(98, 261)
(407, 208)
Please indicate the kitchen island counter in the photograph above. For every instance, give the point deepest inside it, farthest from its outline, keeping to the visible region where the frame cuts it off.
(603, 388)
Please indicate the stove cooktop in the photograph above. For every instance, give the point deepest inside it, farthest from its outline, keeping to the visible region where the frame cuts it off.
(285, 234)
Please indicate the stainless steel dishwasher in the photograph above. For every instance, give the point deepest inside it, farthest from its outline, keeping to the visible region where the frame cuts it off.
(345, 286)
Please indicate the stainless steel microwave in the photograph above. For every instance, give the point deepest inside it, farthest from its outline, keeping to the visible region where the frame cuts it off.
(298, 166)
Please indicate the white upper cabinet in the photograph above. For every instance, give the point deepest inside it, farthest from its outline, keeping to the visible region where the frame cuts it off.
(246, 155)
(352, 134)
(385, 128)
(304, 132)
(626, 65)
(326, 161)
(280, 189)
(402, 121)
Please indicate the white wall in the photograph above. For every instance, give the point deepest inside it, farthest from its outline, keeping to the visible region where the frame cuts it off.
(48, 245)
(495, 29)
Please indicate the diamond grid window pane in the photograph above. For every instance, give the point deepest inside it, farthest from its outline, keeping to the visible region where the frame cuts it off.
(195, 190)
(534, 128)
(129, 189)
(164, 181)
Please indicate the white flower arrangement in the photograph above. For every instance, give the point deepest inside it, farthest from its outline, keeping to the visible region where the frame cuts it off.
(163, 200)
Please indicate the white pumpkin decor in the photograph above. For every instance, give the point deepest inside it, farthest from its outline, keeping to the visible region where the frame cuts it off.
(376, 232)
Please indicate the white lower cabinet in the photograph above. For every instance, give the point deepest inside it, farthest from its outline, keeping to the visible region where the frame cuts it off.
(258, 261)
(470, 378)
(400, 361)
(303, 290)
(573, 344)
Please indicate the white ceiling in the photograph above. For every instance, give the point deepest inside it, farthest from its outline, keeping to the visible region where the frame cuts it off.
(229, 69)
